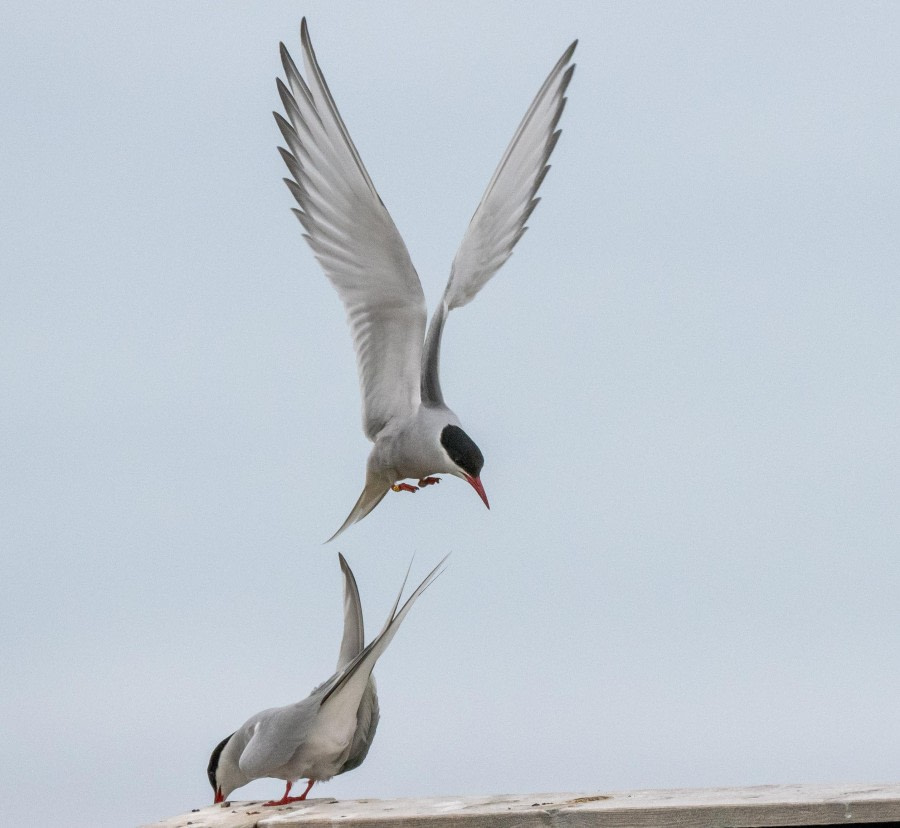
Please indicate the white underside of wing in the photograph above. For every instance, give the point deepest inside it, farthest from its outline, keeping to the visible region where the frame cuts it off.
(356, 242)
(499, 220)
(509, 199)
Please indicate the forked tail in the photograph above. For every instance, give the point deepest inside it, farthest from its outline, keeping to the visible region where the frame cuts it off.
(371, 496)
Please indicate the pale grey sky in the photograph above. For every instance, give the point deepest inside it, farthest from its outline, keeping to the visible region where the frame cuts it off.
(685, 384)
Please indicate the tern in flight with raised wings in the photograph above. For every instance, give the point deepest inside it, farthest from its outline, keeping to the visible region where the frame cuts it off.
(352, 235)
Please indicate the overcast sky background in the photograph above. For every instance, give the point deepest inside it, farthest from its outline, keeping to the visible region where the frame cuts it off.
(685, 384)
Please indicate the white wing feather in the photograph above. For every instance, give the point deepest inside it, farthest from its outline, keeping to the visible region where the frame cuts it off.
(346, 689)
(353, 639)
(356, 242)
(499, 221)
(509, 199)
(275, 737)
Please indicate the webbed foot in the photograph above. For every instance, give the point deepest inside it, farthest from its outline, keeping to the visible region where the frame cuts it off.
(287, 800)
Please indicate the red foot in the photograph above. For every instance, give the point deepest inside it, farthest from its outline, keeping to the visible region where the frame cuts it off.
(404, 487)
(287, 800)
(429, 481)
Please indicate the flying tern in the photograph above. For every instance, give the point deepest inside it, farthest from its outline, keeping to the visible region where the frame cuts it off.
(356, 242)
(327, 733)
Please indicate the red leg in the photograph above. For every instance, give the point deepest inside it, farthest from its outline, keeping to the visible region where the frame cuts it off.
(404, 487)
(284, 800)
(287, 800)
(429, 481)
(308, 789)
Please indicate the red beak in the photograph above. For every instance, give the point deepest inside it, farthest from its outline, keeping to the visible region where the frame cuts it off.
(475, 483)
(219, 798)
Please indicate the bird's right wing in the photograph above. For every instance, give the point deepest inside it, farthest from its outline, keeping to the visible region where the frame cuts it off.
(356, 242)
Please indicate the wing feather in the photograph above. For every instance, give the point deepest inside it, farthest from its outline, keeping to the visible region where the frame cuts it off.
(499, 221)
(510, 196)
(276, 735)
(345, 687)
(353, 639)
(355, 241)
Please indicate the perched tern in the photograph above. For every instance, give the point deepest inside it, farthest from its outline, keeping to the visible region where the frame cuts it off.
(331, 730)
(358, 246)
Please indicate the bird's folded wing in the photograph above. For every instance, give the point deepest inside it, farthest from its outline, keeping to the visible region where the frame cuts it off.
(277, 736)
(499, 221)
(356, 242)
(367, 717)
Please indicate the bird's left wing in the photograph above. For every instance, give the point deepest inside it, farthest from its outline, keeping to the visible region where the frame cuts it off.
(275, 737)
(345, 690)
(356, 242)
(367, 717)
(499, 221)
(354, 631)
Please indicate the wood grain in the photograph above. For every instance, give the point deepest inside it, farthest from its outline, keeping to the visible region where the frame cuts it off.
(756, 807)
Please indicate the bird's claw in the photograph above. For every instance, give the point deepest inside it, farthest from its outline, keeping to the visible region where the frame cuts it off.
(404, 487)
(285, 800)
(429, 481)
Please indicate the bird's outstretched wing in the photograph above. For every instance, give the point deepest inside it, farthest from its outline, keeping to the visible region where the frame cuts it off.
(499, 221)
(355, 241)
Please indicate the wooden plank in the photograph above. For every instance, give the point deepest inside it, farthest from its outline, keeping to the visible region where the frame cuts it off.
(763, 806)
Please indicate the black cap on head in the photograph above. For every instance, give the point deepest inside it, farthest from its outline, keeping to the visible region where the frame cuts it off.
(214, 761)
(462, 450)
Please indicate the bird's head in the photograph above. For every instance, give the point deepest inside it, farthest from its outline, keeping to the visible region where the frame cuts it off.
(465, 456)
(223, 771)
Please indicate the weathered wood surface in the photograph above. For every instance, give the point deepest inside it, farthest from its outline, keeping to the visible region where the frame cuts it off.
(764, 805)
